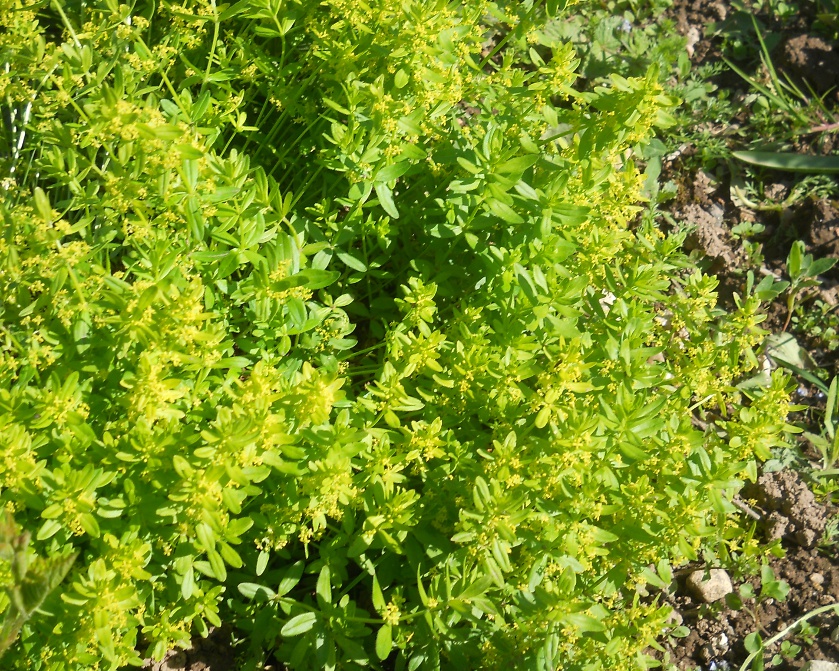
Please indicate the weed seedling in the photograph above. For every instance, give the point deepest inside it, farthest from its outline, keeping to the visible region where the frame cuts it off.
(803, 272)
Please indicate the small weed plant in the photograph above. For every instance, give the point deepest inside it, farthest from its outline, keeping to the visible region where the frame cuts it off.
(344, 324)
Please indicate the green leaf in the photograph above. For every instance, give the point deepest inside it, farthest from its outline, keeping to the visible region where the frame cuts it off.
(503, 211)
(262, 561)
(230, 556)
(794, 259)
(291, 578)
(784, 348)
(311, 278)
(518, 164)
(790, 162)
(48, 530)
(42, 204)
(324, 584)
(378, 596)
(188, 583)
(820, 266)
(336, 106)
(422, 593)
(477, 588)
(384, 641)
(583, 623)
(206, 536)
(385, 196)
(299, 624)
(217, 565)
(352, 261)
(251, 590)
(830, 406)
(392, 172)
(753, 642)
(400, 79)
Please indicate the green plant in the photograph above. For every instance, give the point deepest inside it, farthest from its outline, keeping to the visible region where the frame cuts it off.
(807, 632)
(828, 442)
(790, 162)
(819, 321)
(803, 272)
(756, 646)
(337, 323)
(778, 95)
(27, 580)
(748, 600)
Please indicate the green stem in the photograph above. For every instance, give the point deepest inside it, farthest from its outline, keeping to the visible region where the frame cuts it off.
(212, 53)
(781, 634)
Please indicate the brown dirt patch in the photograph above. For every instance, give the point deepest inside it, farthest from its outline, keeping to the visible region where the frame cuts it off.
(214, 653)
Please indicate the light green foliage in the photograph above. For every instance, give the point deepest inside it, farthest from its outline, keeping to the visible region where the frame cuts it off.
(803, 273)
(339, 323)
(27, 580)
(828, 442)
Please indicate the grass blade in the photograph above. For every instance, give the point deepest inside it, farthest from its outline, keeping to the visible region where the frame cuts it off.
(789, 162)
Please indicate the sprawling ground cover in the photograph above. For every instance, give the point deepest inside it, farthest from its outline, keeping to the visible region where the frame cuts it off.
(345, 325)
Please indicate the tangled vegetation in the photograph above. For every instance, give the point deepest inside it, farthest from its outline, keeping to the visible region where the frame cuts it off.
(349, 325)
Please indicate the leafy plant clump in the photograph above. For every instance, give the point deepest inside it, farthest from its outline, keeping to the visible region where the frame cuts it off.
(340, 323)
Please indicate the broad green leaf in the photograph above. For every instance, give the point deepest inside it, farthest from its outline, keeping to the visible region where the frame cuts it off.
(42, 204)
(251, 590)
(518, 164)
(477, 588)
(400, 79)
(584, 623)
(299, 624)
(291, 578)
(206, 536)
(384, 641)
(378, 597)
(788, 162)
(262, 561)
(753, 642)
(230, 556)
(48, 529)
(503, 211)
(385, 196)
(311, 278)
(217, 565)
(352, 261)
(188, 583)
(324, 584)
(392, 172)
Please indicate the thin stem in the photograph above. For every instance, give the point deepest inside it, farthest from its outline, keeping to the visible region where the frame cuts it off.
(781, 634)
(212, 53)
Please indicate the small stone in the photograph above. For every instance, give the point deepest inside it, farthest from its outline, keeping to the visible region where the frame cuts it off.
(820, 665)
(710, 589)
(817, 579)
(675, 618)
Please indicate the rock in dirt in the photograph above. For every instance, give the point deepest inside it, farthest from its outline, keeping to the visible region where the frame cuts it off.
(793, 511)
(820, 665)
(711, 588)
